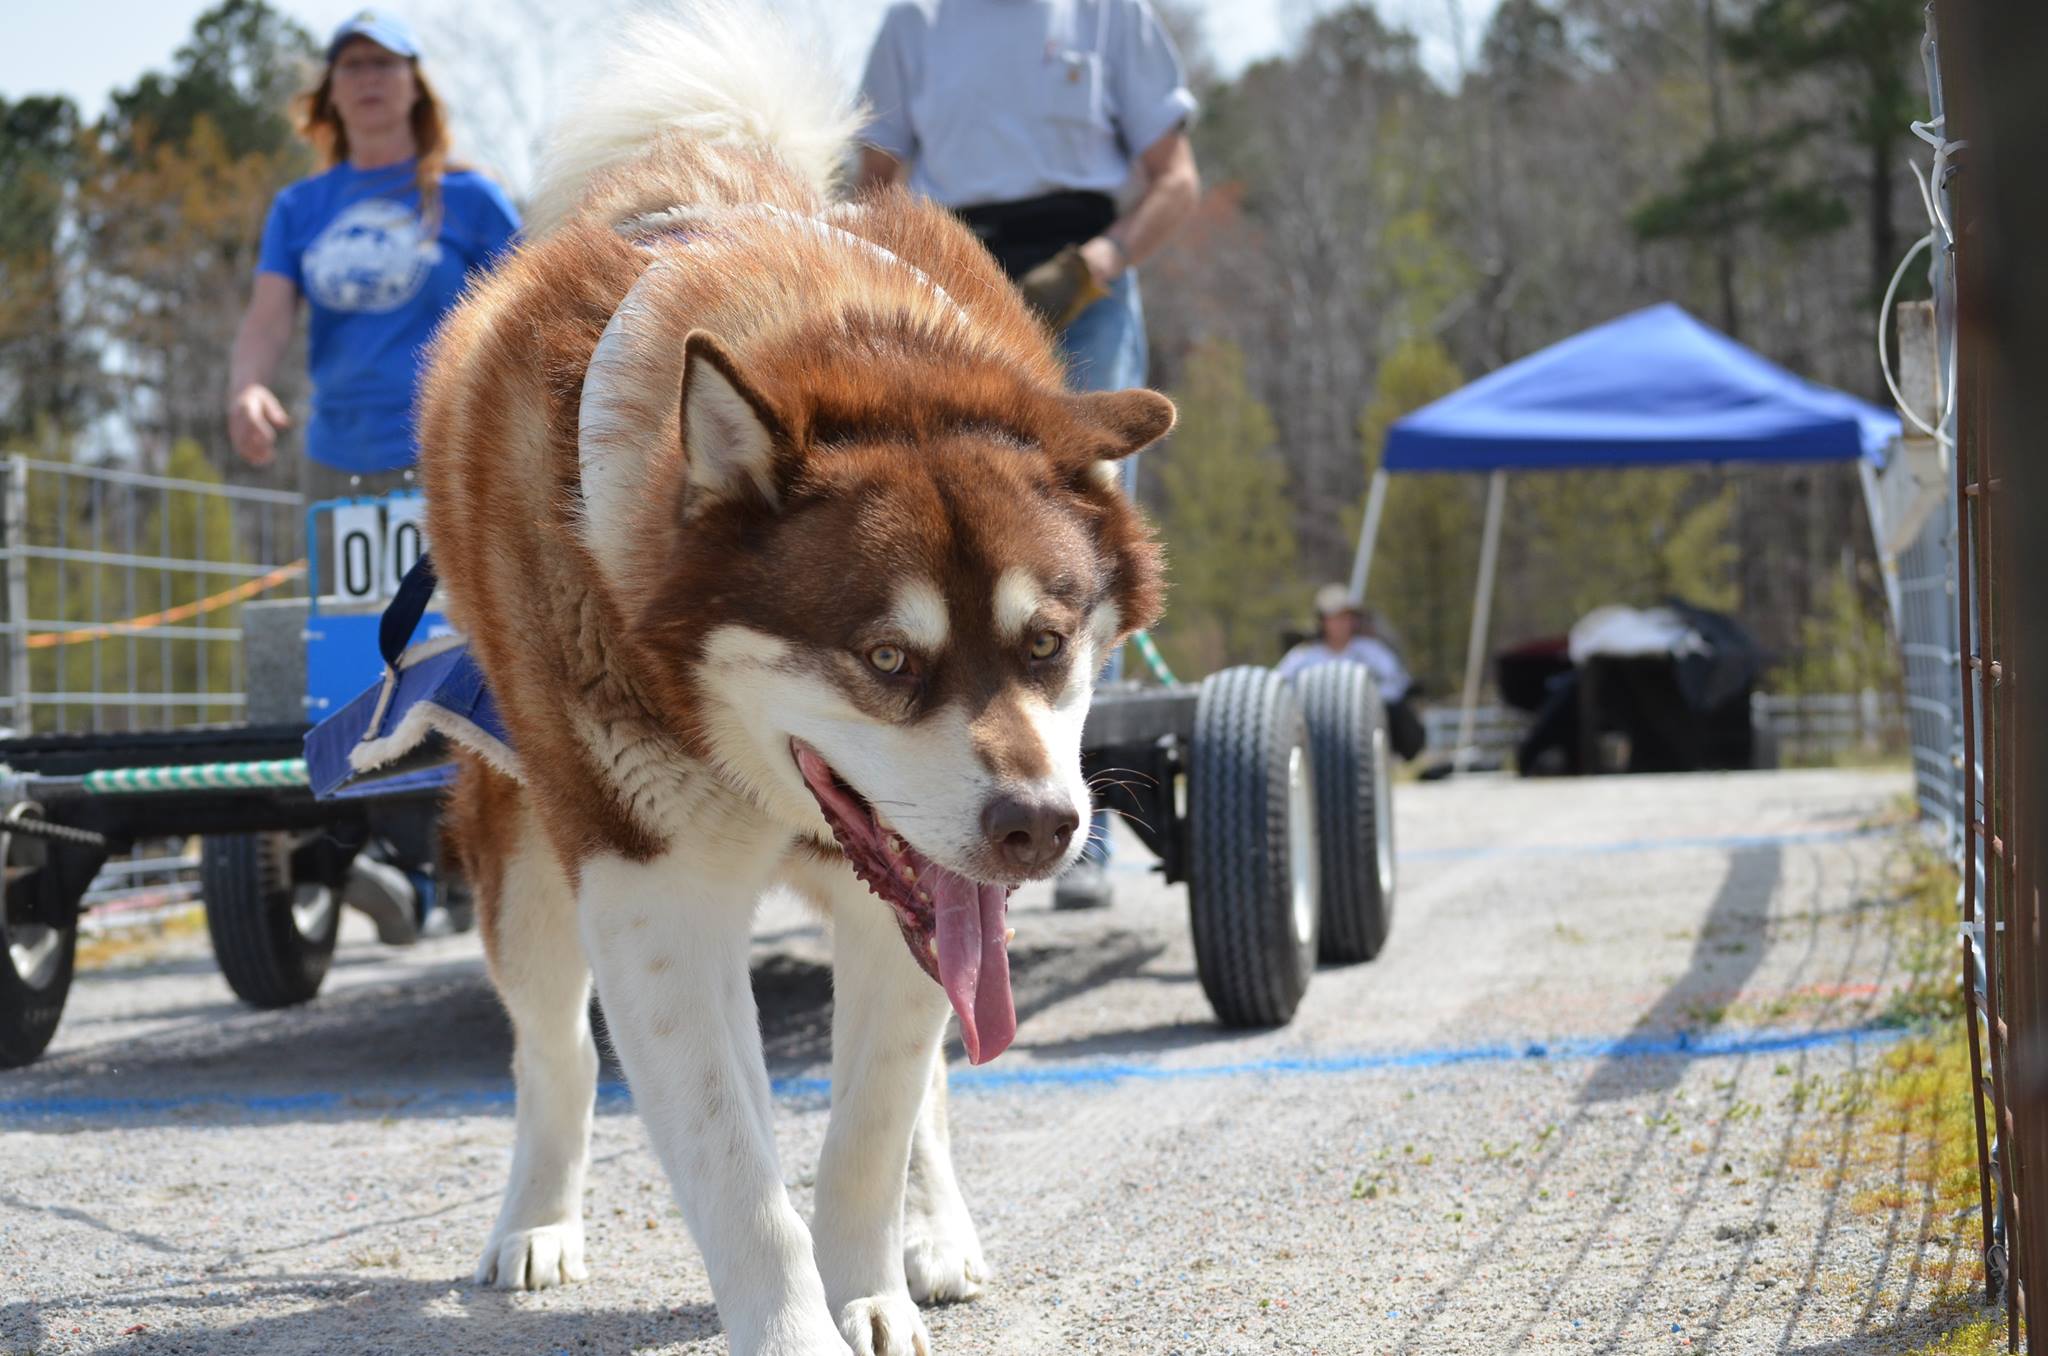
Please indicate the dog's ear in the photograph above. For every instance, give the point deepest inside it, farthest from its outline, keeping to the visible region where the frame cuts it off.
(735, 441)
(1126, 420)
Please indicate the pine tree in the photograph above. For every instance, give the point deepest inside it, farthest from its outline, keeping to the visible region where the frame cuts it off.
(170, 206)
(238, 70)
(1231, 555)
(1786, 176)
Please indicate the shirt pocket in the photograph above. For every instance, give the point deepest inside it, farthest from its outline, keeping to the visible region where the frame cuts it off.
(1071, 89)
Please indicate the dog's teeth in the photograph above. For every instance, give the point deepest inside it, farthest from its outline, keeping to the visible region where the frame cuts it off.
(923, 898)
(933, 947)
(908, 872)
(1009, 935)
(896, 844)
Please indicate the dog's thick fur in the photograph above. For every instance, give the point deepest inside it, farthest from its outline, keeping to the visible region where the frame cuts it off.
(718, 471)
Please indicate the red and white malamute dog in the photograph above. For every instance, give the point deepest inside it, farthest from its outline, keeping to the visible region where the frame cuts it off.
(790, 560)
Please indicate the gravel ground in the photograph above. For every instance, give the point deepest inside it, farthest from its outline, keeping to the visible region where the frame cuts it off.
(1578, 1104)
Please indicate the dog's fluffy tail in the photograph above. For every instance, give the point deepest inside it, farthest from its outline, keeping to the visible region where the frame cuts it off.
(728, 73)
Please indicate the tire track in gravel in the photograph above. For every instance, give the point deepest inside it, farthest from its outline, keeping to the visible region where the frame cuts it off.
(1851, 964)
(1564, 1143)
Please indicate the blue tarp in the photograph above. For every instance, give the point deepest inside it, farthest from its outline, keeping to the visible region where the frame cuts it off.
(1651, 388)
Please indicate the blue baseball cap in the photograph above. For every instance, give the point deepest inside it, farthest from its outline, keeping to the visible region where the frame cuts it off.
(385, 29)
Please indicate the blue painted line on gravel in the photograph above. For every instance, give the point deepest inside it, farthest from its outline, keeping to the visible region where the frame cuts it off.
(1688, 1045)
(1682, 1044)
(1733, 842)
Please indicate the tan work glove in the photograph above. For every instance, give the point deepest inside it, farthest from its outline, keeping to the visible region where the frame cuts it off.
(1061, 288)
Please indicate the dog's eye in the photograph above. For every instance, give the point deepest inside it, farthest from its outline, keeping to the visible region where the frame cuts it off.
(887, 659)
(1046, 644)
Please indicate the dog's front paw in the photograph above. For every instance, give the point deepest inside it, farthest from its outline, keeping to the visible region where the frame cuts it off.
(942, 1258)
(885, 1325)
(533, 1259)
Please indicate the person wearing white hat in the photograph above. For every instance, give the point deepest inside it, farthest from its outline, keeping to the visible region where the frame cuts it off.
(1348, 634)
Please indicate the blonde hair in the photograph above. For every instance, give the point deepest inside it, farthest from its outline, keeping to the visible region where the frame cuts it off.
(317, 121)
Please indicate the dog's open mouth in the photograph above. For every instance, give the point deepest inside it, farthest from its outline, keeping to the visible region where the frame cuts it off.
(955, 927)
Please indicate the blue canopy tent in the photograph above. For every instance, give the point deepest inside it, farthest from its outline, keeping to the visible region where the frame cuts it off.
(1652, 388)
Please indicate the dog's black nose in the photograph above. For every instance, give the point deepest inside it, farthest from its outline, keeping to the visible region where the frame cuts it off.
(1028, 834)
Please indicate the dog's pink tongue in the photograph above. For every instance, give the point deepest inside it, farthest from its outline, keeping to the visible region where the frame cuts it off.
(974, 960)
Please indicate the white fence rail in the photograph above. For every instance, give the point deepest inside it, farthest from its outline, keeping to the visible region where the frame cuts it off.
(1812, 728)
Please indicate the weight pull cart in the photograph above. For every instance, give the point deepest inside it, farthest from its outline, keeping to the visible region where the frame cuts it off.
(1270, 800)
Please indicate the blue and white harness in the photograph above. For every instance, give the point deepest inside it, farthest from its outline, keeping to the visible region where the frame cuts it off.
(401, 734)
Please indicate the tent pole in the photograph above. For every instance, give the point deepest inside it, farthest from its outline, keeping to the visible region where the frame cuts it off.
(1482, 608)
(1887, 565)
(1368, 535)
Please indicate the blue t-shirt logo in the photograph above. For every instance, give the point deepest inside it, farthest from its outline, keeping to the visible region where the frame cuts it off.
(370, 258)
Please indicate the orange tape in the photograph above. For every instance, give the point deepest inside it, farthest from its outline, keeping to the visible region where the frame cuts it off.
(248, 589)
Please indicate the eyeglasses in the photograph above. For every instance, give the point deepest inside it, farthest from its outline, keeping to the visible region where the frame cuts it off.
(369, 65)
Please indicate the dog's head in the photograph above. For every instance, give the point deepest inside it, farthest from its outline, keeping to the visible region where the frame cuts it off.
(884, 603)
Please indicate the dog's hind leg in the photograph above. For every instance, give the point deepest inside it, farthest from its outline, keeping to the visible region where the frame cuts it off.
(527, 913)
(669, 938)
(941, 1254)
(887, 1016)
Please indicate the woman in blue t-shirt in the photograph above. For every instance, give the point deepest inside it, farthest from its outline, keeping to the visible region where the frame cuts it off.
(380, 244)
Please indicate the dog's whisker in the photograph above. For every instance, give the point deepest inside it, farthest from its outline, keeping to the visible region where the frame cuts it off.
(1125, 771)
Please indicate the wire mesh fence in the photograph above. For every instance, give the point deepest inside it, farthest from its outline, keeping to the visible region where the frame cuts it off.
(1928, 631)
(123, 593)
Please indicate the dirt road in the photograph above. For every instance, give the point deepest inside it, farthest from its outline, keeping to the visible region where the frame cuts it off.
(1579, 1104)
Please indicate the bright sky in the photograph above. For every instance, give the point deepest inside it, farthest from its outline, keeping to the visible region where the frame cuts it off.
(85, 50)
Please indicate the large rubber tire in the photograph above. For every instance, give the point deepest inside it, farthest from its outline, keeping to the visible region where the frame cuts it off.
(1252, 893)
(1350, 745)
(273, 939)
(36, 965)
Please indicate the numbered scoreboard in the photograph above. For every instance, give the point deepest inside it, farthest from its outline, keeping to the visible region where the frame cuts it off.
(364, 547)
(374, 542)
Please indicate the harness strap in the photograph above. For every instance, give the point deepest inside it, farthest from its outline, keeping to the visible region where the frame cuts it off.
(402, 616)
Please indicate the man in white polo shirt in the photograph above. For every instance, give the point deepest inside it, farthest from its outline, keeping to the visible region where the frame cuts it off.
(1030, 118)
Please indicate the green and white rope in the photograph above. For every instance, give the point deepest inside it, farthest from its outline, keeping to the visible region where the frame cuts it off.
(1155, 660)
(198, 777)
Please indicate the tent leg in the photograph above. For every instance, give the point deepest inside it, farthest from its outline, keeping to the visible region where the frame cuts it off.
(1482, 608)
(1887, 566)
(1368, 535)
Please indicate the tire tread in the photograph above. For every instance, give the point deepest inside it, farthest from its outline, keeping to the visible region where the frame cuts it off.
(1343, 709)
(1245, 726)
(248, 917)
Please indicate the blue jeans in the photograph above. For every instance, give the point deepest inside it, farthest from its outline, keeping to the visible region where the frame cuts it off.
(1105, 351)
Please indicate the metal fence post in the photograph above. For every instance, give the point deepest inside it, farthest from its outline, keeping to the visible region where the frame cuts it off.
(14, 532)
